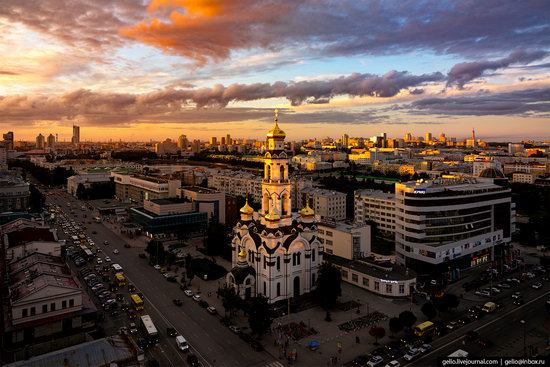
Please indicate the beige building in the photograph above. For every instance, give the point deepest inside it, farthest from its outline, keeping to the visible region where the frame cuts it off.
(168, 206)
(206, 200)
(535, 168)
(376, 206)
(137, 188)
(350, 241)
(166, 147)
(328, 204)
(237, 183)
(522, 177)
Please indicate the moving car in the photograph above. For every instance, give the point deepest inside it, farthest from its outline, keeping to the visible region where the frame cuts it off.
(393, 364)
(537, 285)
(412, 354)
(182, 343)
(171, 332)
(375, 361)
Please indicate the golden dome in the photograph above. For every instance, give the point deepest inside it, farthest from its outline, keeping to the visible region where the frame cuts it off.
(307, 211)
(242, 253)
(276, 132)
(247, 209)
(273, 215)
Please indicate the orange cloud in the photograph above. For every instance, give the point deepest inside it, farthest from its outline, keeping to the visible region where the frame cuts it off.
(202, 7)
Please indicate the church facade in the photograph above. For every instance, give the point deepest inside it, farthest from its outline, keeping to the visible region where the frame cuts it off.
(275, 252)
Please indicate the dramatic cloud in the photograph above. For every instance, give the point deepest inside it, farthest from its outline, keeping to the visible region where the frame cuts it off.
(532, 102)
(464, 72)
(126, 107)
(212, 30)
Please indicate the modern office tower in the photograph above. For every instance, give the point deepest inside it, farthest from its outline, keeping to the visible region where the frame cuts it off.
(451, 223)
(408, 137)
(51, 141)
(384, 140)
(222, 140)
(442, 138)
(228, 139)
(474, 137)
(8, 140)
(345, 141)
(183, 143)
(428, 137)
(196, 146)
(76, 135)
(213, 141)
(514, 148)
(40, 141)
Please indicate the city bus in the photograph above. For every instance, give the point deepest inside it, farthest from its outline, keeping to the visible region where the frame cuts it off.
(149, 330)
(137, 302)
(120, 279)
(86, 252)
(424, 328)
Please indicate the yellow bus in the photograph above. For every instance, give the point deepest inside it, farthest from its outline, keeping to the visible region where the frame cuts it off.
(137, 302)
(120, 279)
(424, 328)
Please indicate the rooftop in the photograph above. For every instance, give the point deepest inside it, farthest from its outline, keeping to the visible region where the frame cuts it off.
(396, 272)
(323, 192)
(170, 201)
(200, 190)
(29, 234)
(378, 194)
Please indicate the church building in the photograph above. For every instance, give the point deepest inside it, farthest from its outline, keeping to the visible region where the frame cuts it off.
(275, 252)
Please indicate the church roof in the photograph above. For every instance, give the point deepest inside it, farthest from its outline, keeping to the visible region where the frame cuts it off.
(240, 273)
(276, 132)
(491, 173)
(247, 209)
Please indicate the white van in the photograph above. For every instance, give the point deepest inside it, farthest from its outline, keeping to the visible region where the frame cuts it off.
(117, 268)
(182, 343)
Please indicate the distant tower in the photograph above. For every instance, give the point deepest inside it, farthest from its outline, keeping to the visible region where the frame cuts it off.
(473, 137)
(76, 135)
(40, 141)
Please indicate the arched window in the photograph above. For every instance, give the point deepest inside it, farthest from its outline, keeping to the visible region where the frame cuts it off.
(282, 173)
(278, 289)
(313, 255)
(265, 288)
(284, 204)
(248, 281)
(278, 263)
(268, 172)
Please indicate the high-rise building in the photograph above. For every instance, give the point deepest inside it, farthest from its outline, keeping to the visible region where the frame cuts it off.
(8, 140)
(51, 141)
(345, 141)
(442, 138)
(196, 146)
(222, 142)
(40, 141)
(213, 141)
(451, 223)
(228, 139)
(183, 143)
(428, 137)
(408, 137)
(474, 137)
(76, 135)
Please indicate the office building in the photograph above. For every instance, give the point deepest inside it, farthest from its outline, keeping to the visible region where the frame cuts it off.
(40, 142)
(328, 204)
(137, 188)
(207, 201)
(8, 140)
(514, 148)
(76, 135)
(521, 177)
(228, 140)
(350, 241)
(428, 138)
(213, 141)
(166, 147)
(451, 223)
(376, 206)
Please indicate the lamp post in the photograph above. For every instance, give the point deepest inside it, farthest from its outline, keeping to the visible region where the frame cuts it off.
(524, 349)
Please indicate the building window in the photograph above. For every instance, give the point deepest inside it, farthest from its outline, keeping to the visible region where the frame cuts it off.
(265, 288)
(313, 255)
(265, 261)
(44, 308)
(321, 231)
(33, 311)
(345, 274)
(329, 242)
(401, 288)
(365, 282)
(329, 233)
(354, 278)
(328, 251)
(64, 304)
(278, 289)
(278, 263)
(299, 257)
(25, 312)
(71, 302)
(313, 280)
(376, 286)
(52, 307)
(389, 288)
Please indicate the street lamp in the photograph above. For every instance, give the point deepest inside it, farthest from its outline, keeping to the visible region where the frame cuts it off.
(523, 323)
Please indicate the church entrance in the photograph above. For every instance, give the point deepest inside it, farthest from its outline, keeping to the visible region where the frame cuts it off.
(296, 286)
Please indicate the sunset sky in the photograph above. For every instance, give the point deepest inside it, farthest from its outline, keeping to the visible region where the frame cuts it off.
(133, 70)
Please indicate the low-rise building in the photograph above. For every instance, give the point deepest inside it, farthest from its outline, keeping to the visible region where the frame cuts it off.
(375, 206)
(206, 200)
(522, 177)
(138, 188)
(14, 194)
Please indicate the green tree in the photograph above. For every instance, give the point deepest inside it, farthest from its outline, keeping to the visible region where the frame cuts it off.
(440, 304)
(216, 239)
(428, 309)
(407, 319)
(229, 298)
(329, 287)
(259, 315)
(37, 200)
(452, 300)
(396, 325)
(156, 250)
(377, 332)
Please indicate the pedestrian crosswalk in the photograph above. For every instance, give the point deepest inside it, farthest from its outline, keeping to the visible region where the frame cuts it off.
(275, 364)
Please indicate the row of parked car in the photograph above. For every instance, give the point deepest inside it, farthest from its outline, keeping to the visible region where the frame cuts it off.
(95, 283)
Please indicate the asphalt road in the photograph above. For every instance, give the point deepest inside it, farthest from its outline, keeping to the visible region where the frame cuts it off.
(209, 339)
(502, 327)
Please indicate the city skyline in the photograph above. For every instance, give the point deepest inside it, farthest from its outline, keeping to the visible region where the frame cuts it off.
(140, 71)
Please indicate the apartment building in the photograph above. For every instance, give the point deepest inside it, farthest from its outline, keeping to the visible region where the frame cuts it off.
(522, 177)
(237, 183)
(375, 206)
(137, 188)
(327, 204)
(536, 168)
(350, 241)
(206, 200)
(451, 223)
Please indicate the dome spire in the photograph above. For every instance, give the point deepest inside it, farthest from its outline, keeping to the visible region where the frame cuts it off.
(276, 132)
(306, 211)
(273, 214)
(247, 209)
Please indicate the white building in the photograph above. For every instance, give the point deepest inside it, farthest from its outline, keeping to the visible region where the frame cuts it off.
(207, 200)
(138, 188)
(275, 252)
(328, 204)
(166, 147)
(521, 177)
(376, 206)
(350, 241)
(87, 180)
(451, 223)
(237, 183)
(480, 166)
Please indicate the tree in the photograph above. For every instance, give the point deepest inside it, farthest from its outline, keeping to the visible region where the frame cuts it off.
(377, 332)
(259, 315)
(452, 300)
(428, 309)
(80, 191)
(229, 299)
(396, 325)
(440, 304)
(37, 200)
(216, 239)
(155, 249)
(328, 287)
(407, 319)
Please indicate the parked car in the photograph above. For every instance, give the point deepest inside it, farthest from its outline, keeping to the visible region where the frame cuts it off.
(516, 295)
(203, 303)
(453, 325)
(235, 329)
(188, 293)
(197, 297)
(133, 328)
(393, 363)
(115, 251)
(212, 310)
(375, 361)
(412, 354)
(537, 285)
